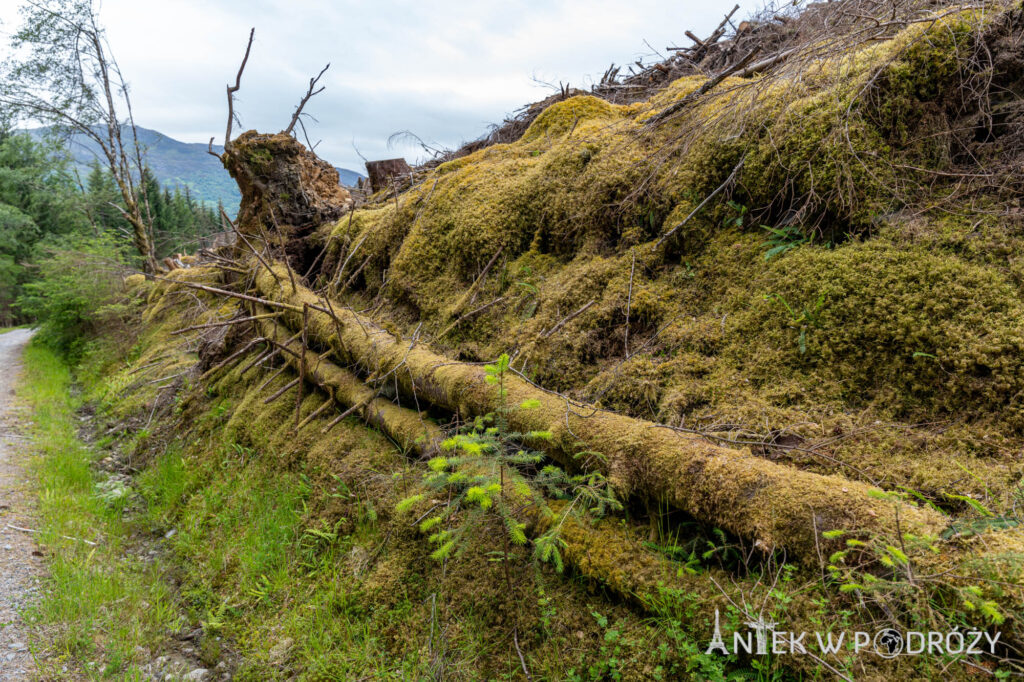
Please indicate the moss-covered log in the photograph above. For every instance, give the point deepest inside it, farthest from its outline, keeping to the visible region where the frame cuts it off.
(410, 430)
(776, 505)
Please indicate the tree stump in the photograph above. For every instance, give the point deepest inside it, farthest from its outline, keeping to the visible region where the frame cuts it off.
(285, 189)
(381, 172)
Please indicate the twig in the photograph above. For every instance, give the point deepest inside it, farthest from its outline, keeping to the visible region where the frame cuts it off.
(567, 319)
(701, 205)
(522, 661)
(232, 89)
(309, 94)
(65, 537)
(470, 314)
(155, 362)
(282, 390)
(629, 302)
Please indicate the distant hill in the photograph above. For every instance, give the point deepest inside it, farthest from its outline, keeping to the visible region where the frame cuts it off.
(181, 164)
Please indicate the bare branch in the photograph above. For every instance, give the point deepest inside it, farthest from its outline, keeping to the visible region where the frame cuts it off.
(310, 93)
(232, 89)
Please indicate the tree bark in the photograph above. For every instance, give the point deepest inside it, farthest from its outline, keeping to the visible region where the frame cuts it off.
(381, 173)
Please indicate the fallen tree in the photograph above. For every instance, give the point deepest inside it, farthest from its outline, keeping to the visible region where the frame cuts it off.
(775, 505)
(405, 427)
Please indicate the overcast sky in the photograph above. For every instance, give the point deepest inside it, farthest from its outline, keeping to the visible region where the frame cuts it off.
(443, 69)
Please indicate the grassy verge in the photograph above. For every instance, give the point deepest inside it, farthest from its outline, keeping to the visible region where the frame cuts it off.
(104, 609)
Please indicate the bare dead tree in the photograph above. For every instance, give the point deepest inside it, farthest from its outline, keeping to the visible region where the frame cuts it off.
(63, 73)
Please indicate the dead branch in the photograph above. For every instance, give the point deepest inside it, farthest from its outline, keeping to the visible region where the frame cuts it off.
(629, 302)
(232, 294)
(337, 278)
(474, 290)
(237, 320)
(262, 357)
(316, 413)
(471, 313)
(302, 364)
(224, 363)
(284, 251)
(334, 422)
(703, 89)
(310, 93)
(270, 379)
(232, 89)
(568, 318)
(282, 390)
(701, 205)
(245, 240)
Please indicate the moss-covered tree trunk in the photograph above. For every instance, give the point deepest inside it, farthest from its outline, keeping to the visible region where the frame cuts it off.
(776, 505)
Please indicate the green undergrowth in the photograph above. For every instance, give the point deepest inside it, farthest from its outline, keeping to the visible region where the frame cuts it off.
(102, 609)
(288, 546)
(293, 556)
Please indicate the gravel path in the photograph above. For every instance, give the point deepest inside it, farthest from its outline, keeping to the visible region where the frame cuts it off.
(20, 560)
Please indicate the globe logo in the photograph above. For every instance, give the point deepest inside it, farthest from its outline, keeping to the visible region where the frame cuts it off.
(888, 643)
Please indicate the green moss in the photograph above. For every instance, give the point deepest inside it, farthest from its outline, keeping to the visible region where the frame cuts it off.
(926, 333)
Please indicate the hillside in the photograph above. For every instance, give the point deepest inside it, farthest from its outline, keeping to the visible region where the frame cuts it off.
(733, 345)
(181, 164)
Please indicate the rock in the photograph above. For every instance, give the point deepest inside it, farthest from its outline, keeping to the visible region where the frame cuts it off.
(170, 534)
(198, 675)
(17, 646)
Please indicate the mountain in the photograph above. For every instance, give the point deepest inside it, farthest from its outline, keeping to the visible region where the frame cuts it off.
(349, 178)
(180, 164)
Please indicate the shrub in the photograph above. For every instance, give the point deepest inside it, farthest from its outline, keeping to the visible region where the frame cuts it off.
(78, 292)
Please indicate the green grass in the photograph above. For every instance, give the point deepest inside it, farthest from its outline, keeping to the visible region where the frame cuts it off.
(288, 575)
(254, 572)
(100, 603)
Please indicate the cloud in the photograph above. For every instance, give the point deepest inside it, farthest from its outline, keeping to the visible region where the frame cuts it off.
(443, 69)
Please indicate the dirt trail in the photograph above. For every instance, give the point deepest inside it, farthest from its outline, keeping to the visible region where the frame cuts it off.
(20, 561)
